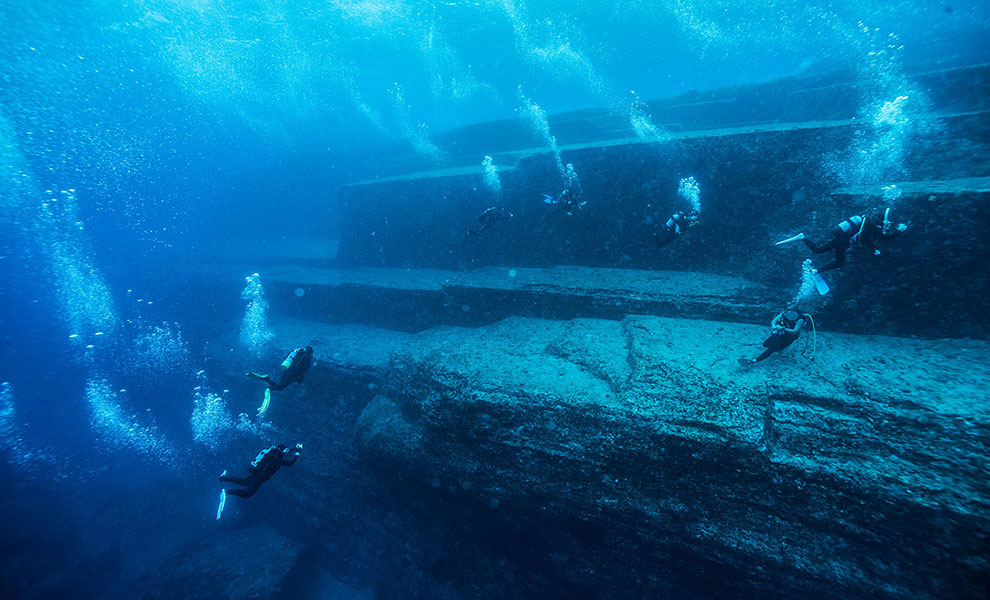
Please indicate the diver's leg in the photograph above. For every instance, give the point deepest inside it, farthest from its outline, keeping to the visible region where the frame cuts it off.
(816, 249)
(238, 493)
(234, 480)
(283, 382)
(266, 378)
(838, 261)
(787, 341)
(251, 484)
(663, 237)
(772, 344)
(252, 487)
(766, 354)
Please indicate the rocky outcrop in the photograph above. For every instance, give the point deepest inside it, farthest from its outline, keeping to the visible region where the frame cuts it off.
(634, 458)
(239, 564)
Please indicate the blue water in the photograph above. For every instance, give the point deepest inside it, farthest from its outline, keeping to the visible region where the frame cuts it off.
(140, 136)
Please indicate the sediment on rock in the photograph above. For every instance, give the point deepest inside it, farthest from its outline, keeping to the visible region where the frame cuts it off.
(635, 455)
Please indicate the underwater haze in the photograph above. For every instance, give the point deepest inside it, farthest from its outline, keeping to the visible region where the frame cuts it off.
(535, 247)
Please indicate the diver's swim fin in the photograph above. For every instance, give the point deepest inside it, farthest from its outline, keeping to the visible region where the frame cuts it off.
(799, 236)
(265, 402)
(223, 501)
(820, 284)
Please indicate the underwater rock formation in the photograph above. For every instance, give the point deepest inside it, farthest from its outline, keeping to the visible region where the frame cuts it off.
(634, 458)
(241, 564)
(417, 299)
(764, 158)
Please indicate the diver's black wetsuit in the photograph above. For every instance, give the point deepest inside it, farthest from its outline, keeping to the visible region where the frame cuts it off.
(778, 341)
(487, 219)
(568, 200)
(856, 229)
(294, 368)
(266, 464)
(674, 226)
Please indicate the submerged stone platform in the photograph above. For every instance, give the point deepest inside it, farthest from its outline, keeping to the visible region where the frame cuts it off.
(635, 458)
(416, 299)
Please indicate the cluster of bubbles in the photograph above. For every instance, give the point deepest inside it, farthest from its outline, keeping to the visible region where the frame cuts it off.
(10, 438)
(416, 132)
(87, 307)
(642, 123)
(891, 194)
(688, 190)
(212, 422)
(119, 429)
(544, 45)
(491, 176)
(807, 291)
(537, 118)
(160, 351)
(255, 334)
(571, 181)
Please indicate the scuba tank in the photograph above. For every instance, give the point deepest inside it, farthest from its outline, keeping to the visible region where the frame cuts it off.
(853, 222)
(261, 455)
(290, 358)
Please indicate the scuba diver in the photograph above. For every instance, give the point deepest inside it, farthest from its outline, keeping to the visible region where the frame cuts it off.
(488, 218)
(785, 328)
(676, 225)
(569, 199)
(266, 464)
(294, 368)
(857, 229)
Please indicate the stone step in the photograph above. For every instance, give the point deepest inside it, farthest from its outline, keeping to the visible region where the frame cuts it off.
(417, 299)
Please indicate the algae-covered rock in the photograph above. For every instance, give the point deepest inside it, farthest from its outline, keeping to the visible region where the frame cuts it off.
(635, 457)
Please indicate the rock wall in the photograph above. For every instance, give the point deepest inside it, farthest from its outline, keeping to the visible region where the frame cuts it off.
(761, 182)
(633, 458)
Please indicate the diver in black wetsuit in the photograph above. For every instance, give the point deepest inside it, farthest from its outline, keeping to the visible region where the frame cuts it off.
(569, 199)
(488, 218)
(858, 229)
(785, 328)
(294, 368)
(266, 464)
(676, 225)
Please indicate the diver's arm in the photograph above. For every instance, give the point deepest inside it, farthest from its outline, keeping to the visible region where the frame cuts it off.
(797, 327)
(291, 461)
(775, 323)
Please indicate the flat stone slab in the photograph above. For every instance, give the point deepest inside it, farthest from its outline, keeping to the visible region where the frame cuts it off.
(638, 449)
(417, 299)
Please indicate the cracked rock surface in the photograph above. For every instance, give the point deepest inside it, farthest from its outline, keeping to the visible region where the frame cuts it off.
(637, 457)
